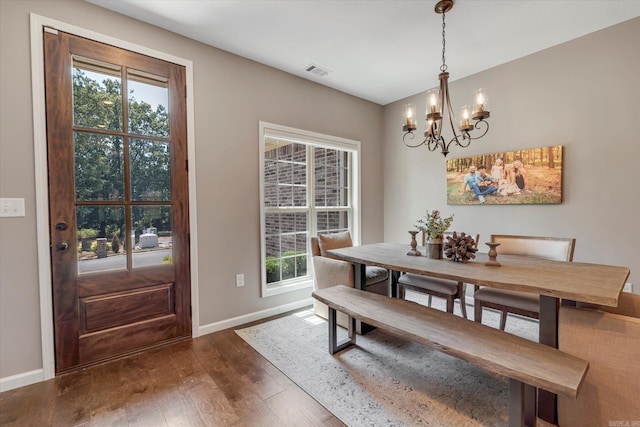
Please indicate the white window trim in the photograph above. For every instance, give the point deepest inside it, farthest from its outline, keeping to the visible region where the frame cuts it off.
(320, 140)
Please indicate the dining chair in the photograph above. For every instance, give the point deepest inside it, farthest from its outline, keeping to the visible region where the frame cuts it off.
(521, 303)
(328, 271)
(449, 290)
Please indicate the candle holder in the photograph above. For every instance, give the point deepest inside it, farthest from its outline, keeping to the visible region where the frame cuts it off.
(493, 254)
(414, 243)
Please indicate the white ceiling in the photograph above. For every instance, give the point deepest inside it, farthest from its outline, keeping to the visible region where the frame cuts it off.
(379, 50)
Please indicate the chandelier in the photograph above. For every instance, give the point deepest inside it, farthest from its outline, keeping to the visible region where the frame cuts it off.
(439, 104)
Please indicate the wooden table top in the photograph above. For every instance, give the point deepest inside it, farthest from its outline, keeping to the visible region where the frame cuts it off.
(592, 283)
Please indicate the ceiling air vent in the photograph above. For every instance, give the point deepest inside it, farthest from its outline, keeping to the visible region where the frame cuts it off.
(318, 71)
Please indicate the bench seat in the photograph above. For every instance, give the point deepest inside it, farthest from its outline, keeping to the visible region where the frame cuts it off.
(508, 355)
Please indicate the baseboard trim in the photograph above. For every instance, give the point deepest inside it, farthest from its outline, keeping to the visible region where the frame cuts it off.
(21, 380)
(252, 317)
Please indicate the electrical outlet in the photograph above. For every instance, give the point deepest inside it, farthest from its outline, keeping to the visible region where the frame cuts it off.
(11, 207)
(628, 287)
(239, 280)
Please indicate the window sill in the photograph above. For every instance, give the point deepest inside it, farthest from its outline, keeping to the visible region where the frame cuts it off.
(271, 290)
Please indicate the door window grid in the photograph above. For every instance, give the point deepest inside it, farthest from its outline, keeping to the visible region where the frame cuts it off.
(132, 172)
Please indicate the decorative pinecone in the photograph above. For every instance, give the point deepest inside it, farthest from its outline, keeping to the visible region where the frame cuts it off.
(460, 248)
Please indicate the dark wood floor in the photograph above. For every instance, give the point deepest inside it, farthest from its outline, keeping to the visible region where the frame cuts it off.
(214, 380)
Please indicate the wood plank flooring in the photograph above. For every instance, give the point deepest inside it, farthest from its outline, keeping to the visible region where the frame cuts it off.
(213, 380)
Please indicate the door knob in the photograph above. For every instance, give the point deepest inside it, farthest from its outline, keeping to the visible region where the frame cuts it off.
(63, 246)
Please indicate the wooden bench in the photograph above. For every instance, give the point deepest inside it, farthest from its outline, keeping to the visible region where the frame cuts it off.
(527, 364)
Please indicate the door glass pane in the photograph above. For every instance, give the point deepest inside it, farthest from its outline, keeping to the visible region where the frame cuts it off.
(148, 104)
(97, 95)
(100, 238)
(150, 170)
(151, 235)
(98, 166)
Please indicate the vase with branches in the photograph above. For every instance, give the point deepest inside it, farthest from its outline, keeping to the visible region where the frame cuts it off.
(434, 225)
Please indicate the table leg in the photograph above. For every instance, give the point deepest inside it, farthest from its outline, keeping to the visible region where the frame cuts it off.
(547, 402)
(360, 282)
(395, 275)
(360, 276)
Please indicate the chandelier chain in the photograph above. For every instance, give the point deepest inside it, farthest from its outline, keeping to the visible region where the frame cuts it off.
(443, 67)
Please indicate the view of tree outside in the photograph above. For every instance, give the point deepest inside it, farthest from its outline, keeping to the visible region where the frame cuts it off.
(297, 205)
(103, 155)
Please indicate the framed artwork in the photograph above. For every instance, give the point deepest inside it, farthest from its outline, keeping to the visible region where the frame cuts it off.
(521, 177)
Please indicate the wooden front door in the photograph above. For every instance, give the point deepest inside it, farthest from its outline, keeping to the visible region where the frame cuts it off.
(118, 200)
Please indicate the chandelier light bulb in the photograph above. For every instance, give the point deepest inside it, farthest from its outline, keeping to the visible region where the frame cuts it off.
(432, 101)
(465, 124)
(409, 117)
(480, 96)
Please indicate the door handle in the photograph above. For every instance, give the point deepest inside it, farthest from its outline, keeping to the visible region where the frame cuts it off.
(63, 246)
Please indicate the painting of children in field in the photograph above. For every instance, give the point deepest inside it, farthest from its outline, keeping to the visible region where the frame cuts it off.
(532, 176)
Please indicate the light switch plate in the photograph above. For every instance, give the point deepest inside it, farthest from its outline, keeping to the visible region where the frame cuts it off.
(11, 207)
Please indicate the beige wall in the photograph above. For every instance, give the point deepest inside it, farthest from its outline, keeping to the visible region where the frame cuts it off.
(232, 95)
(584, 95)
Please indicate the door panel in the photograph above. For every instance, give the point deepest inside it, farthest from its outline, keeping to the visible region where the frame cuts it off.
(125, 339)
(118, 191)
(116, 309)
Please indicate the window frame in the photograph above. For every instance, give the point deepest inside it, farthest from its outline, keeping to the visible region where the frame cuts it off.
(312, 139)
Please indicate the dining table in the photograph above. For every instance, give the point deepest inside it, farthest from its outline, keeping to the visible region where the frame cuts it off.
(556, 282)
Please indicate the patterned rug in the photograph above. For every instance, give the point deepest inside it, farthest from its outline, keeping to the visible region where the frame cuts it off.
(385, 380)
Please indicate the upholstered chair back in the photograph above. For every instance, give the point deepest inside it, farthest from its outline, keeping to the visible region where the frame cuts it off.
(552, 248)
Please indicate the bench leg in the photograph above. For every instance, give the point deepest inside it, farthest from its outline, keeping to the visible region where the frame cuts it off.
(360, 282)
(516, 403)
(334, 345)
(522, 404)
(530, 405)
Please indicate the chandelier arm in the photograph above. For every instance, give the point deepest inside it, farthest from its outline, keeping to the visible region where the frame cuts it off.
(485, 124)
(442, 95)
(452, 119)
(411, 136)
(434, 143)
(464, 137)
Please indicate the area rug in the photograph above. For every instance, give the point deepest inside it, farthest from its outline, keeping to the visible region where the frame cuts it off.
(385, 380)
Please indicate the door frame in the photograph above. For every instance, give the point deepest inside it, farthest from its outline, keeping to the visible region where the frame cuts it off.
(37, 25)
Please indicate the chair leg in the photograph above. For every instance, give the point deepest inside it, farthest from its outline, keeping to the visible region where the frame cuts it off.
(449, 304)
(503, 320)
(401, 291)
(429, 301)
(462, 297)
(477, 312)
(463, 307)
